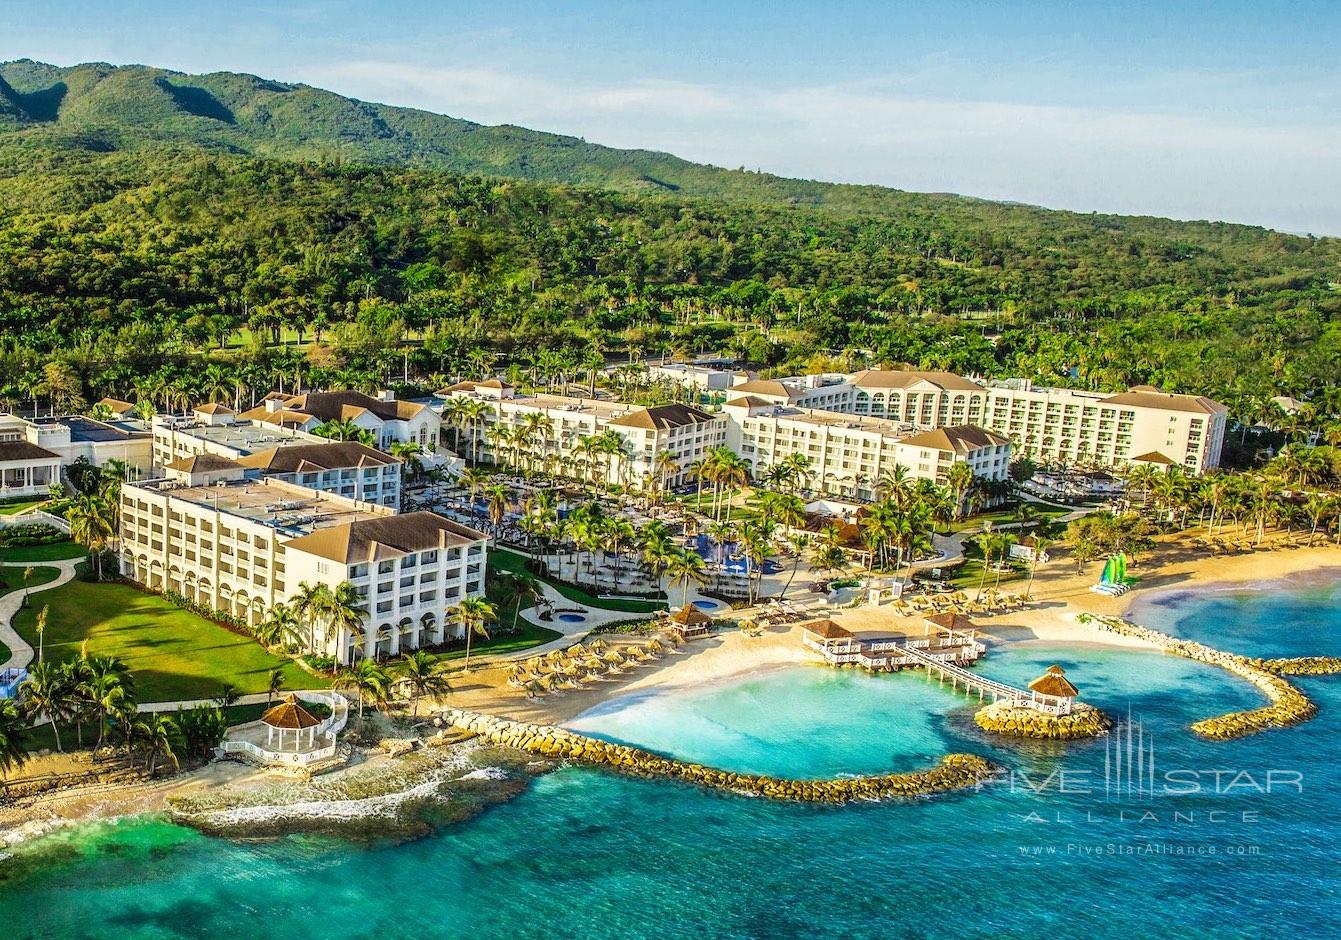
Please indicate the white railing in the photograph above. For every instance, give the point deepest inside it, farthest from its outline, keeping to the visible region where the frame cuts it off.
(326, 733)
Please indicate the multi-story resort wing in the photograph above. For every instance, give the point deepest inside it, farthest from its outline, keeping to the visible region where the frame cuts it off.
(346, 468)
(387, 419)
(848, 454)
(67, 439)
(240, 546)
(559, 434)
(683, 432)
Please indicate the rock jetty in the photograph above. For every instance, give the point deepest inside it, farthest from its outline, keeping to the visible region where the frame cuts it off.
(1301, 665)
(1002, 718)
(955, 771)
(1288, 706)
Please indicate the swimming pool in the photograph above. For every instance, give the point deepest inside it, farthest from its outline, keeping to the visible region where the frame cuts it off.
(573, 618)
(704, 603)
(725, 556)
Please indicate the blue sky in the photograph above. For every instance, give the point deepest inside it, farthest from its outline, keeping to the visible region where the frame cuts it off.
(1224, 110)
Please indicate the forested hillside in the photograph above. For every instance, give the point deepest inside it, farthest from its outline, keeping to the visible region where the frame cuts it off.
(135, 243)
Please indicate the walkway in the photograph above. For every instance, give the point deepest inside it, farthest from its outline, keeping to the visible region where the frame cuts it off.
(973, 682)
(20, 653)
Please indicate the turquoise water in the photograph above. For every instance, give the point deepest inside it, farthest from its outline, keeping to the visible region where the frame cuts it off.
(587, 854)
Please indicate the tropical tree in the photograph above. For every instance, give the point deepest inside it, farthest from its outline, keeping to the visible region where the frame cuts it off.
(91, 525)
(48, 691)
(473, 614)
(425, 674)
(159, 734)
(13, 739)
(273, 684)
(280, 627)
(684, 568)
(368, 680)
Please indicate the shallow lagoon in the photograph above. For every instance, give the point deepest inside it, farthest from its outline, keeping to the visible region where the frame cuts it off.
(584, 853)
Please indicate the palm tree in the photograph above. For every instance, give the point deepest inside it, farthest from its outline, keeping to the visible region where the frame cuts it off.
(13, 739)
(474, 614)
(280, 627)
(959, 478)
(797, 543)
(159, 733)
(41, 628)
(308, 606)
(1040, 549)
(409, 453)
(525, 591)
(274, 682)
(369, 680)
(28, 573)
(986, 542)
(106, 692)
(425, 675)
(47, 691)
(684, 568)
(343, 612)
(91, 525)
(472, 478)
(497, 496)
(338, 430)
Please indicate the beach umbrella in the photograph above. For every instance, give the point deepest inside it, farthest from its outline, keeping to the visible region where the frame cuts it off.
(597, 645)
(534, 689)
(655, 646)
(613, 656)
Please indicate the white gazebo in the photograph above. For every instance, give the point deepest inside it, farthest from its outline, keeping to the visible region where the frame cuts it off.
(290, 723)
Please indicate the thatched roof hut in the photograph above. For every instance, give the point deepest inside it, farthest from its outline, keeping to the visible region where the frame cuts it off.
(690, 616)
(950, 620)
(1054, 682)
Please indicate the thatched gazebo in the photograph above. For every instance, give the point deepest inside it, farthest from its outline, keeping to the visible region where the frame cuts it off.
(689, 622)
(289, 716)
(1054, 682)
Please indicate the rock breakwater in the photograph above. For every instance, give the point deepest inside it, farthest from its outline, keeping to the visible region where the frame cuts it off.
(1016, 722)
(1288, 706)
(954, 772)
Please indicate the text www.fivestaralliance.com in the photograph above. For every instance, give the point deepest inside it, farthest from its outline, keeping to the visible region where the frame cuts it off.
(1138, 848)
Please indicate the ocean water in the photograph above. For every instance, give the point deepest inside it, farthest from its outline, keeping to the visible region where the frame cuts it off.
(1052, 849)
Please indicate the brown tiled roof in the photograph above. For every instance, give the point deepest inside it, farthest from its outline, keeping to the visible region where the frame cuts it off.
(24, 450)
(289, 715)
(340, 406)
(901, 378)
(828, 630)
(751, 401)
(1054, 682)
(284, 417)
(214, 408)
(385, 537)
(305, 458)
(764, 387)
(466, 386)
(117, 406)
(1154, 457)
(1147, 397)
(661, 417)
(202, 463)
(961, 440)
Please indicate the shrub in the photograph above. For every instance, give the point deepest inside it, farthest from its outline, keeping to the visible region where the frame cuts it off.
(30, 533)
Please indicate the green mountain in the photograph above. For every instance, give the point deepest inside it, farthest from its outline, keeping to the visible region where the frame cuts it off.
(99, 107)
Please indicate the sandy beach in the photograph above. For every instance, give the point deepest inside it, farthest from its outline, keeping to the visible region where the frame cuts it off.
(1059, 594)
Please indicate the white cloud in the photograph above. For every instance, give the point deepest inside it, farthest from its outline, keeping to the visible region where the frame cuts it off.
(1187, 165)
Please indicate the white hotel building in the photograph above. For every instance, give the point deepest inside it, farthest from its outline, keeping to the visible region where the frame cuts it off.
(242, 545)
(1054, 426)
(848, 454)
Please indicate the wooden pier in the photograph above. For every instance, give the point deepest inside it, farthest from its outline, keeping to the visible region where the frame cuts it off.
(943, 656)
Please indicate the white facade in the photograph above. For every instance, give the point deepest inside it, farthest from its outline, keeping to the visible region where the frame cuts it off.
(75, 436)
(848, 455)
(241, 546)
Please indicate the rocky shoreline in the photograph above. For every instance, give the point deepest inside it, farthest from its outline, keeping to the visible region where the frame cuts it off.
(1018, 722)
(954, 772)
(1288, 705)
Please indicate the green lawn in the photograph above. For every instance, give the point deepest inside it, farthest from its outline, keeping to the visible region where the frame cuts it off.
(13, 509)
(172, 653)
(11, 579)
(503, 560)
(56, 551)
(527, 636)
